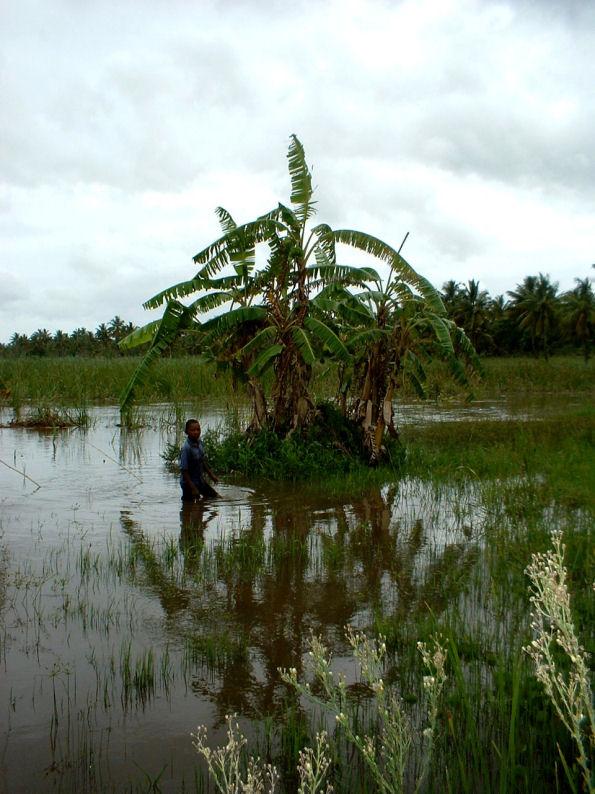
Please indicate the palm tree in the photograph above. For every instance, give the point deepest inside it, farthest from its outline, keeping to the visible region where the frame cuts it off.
(451, 292)
(502, 326)
(534, 306)
(40, 342)
(578, 312)
(61, 343)
(104, 337)
(19, 344)
(117, 328)
(82, 342)
(471, 314)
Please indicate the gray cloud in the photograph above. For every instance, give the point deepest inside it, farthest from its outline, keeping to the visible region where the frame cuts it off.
(467, 123)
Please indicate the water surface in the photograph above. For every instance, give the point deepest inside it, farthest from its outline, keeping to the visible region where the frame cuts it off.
(128, 620)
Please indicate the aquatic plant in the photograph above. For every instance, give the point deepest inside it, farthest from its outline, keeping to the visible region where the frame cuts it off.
(47, 416)
(228, 767)
(234, 773)
(385, 752)
(565, 680)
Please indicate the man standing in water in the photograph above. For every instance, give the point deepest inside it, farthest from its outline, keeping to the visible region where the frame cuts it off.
(193, 465)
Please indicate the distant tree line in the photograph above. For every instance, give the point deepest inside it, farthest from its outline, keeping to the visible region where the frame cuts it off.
(81, 342)
(534, 318)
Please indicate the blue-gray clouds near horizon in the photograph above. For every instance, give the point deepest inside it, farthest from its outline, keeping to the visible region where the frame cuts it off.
(124, 124)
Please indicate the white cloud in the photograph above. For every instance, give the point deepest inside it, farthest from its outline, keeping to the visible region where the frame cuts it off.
(125, 124)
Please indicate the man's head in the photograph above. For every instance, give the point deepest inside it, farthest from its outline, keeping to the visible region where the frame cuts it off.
(193, 429)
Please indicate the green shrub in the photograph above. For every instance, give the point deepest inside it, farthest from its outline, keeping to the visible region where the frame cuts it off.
(333, 445)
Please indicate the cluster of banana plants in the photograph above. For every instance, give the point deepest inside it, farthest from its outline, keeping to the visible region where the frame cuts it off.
(302, 305)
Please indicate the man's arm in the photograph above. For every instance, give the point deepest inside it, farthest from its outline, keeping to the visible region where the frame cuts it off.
(209, 471)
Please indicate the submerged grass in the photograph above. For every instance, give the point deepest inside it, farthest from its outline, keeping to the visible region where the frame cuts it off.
(557, 449)
(45, 416)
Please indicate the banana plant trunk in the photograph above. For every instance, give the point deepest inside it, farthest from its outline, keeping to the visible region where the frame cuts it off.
(260, 416)
(374, 409)
(293, 408)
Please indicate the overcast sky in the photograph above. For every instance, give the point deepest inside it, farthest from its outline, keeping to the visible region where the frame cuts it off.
(125, 124)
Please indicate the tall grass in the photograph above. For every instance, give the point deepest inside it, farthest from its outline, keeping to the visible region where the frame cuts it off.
(75, 380)
(552, 456)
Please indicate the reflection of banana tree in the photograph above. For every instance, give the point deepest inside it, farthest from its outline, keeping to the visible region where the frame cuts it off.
(265, 588)
(384, 551)
(173, 598)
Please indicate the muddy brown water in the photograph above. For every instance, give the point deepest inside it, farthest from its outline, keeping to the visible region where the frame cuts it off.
(127, 621)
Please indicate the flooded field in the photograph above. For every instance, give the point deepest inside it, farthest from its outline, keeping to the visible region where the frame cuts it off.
(127, 620)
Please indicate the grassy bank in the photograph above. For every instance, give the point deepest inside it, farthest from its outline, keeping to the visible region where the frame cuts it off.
(72, 381)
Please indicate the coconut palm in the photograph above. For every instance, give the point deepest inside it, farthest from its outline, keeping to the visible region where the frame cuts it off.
(578, 313)
(534, 306)
(61, 343)
(117, 328)
(104, 338)
(19, 344)
(82, 342)
(451, 292)
(40, 342)
(502, 326)
(472, 314)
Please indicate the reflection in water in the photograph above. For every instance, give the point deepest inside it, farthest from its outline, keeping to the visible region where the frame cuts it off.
(292, 569)
(130, 446)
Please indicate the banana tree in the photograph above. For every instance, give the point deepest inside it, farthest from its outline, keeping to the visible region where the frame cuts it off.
(392, 329)
(235, 291)
(267, 323)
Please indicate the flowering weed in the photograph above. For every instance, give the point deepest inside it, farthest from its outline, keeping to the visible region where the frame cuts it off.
(566, 684)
